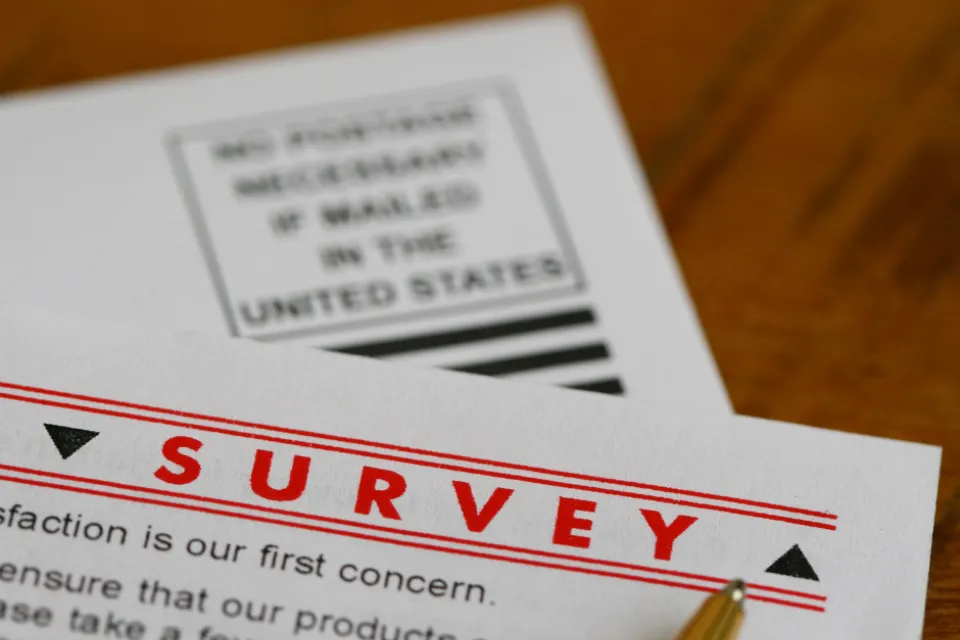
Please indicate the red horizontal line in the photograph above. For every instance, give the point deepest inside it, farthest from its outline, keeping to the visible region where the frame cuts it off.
(421, 463)
(405, 532)
(425, 452)
(798, 605)
(401, 543)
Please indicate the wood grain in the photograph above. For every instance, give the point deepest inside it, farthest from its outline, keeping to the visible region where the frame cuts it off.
(805, 154)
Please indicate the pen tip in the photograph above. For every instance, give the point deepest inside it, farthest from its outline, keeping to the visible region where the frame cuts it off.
(736, 589)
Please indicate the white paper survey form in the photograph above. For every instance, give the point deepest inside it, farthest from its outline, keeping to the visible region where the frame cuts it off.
(463, 197)
(233, 490)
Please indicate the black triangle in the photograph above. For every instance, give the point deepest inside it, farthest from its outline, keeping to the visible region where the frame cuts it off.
(794, 564)
(69, 440)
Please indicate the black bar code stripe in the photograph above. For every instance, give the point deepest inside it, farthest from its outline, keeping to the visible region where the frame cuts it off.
(612, 386)
(542, 360)
(478, 333)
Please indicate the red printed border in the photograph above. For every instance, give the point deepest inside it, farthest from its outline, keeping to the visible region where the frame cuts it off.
(422, 452)
(820, 608)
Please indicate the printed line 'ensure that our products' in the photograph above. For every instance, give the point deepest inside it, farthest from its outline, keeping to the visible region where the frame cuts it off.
(394, 530)
(818, 607)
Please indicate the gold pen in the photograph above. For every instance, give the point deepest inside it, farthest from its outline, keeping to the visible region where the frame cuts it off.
(720, 615)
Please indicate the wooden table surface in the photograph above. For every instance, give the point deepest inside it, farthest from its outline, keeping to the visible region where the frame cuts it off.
(805, 155)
